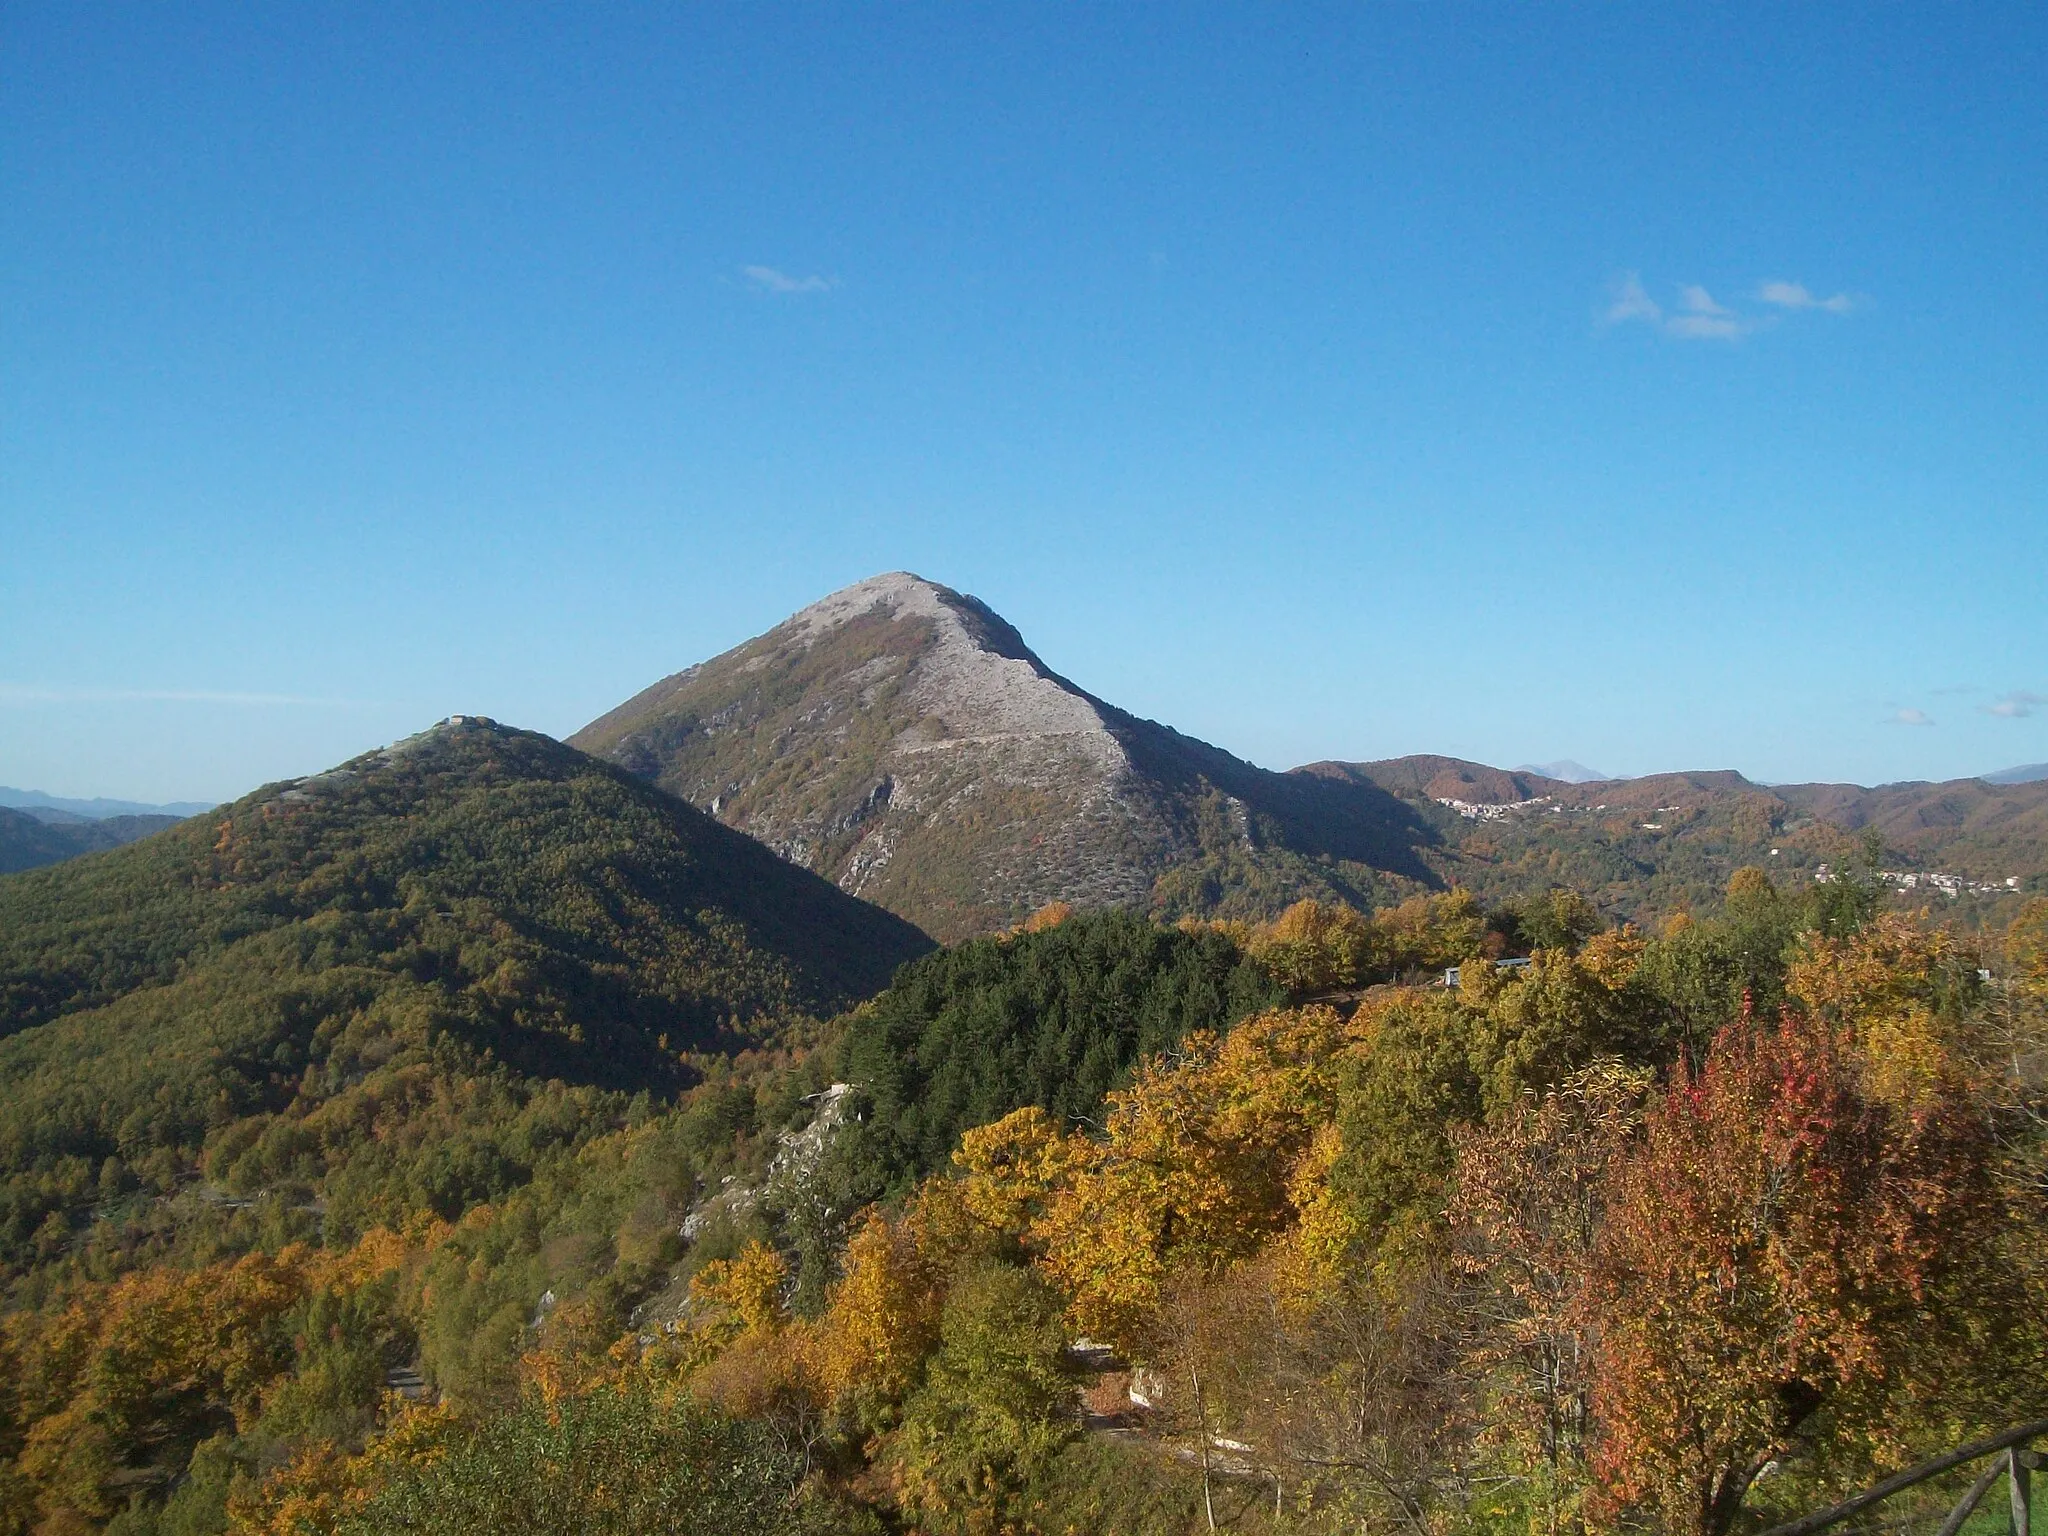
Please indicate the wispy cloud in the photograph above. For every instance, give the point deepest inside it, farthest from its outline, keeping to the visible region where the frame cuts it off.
(18, 693)
(1909, 717)
(772, 280)
(1697, 315)
(1701, 319)
(2017, 705)
(1798, 296)
(1631, 301)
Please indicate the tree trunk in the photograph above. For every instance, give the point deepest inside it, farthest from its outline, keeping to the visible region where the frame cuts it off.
(1202, 1439)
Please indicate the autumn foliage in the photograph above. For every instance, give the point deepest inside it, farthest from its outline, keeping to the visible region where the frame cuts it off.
(1540, 1252)
(1770, 1251)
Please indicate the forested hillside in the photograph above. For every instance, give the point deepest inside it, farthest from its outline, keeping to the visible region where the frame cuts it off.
(29, 842)
(1051, 1017)
(474, 1135)
(344, 995)
(1095, 1226)
(1692, 1232)
(227, 1279)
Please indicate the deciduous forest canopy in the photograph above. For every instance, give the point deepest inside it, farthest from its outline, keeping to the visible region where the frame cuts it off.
(474, 1129)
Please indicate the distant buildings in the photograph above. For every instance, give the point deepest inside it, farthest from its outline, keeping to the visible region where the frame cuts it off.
(1484, 811)
(1949, 885)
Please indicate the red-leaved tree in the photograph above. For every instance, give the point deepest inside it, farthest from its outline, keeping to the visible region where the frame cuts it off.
(1771, 1254)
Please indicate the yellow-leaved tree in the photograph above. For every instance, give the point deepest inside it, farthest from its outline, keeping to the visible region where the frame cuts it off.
(1192, 1168)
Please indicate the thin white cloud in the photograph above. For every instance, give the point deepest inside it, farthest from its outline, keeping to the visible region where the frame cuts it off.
(1707, 327)
(1909, 717)
(1798, 296)
(1697, 318)
(1631, 301)
(770, 280)
(1696, 300)
(18, 693)
(2017, 705)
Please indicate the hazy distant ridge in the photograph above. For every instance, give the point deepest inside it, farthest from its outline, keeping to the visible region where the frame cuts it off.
(97, 809)
(1567, 771)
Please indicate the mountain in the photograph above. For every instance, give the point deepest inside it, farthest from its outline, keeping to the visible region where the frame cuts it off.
(2029, 773)
(1648, 846)
(1566, 770)
(402, 951)
(36, 803)
(613, 893)
(1970, 827)
(900, 739)
(1442, 779)
(29, 839)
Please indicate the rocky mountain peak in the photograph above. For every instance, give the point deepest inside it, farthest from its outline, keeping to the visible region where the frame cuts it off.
(901, 739)
(973, 674)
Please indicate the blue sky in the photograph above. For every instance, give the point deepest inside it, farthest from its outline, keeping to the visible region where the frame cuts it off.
(1656, 386)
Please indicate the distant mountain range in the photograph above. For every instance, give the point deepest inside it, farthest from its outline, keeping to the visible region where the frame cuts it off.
(2030, 773)
(32, 838)
(1667, 841)
(38, 829)
(902, 740)
(1566, 771)
(55, 808)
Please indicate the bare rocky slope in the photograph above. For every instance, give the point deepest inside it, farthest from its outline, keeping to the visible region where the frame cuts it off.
(902, 740)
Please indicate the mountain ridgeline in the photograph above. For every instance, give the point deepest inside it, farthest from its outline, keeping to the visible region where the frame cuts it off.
(901, 740)
(280, 988)
(29, 842)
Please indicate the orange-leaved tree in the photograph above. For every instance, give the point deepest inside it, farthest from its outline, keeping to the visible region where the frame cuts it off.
(1774, 1260)
(1315, 946)
(125, 1381)
(1902, 993)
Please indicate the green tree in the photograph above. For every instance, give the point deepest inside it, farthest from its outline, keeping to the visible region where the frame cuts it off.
(621, 1461)
(996, 1405)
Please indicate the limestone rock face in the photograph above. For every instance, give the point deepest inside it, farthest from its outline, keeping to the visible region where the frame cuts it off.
(901, 739)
